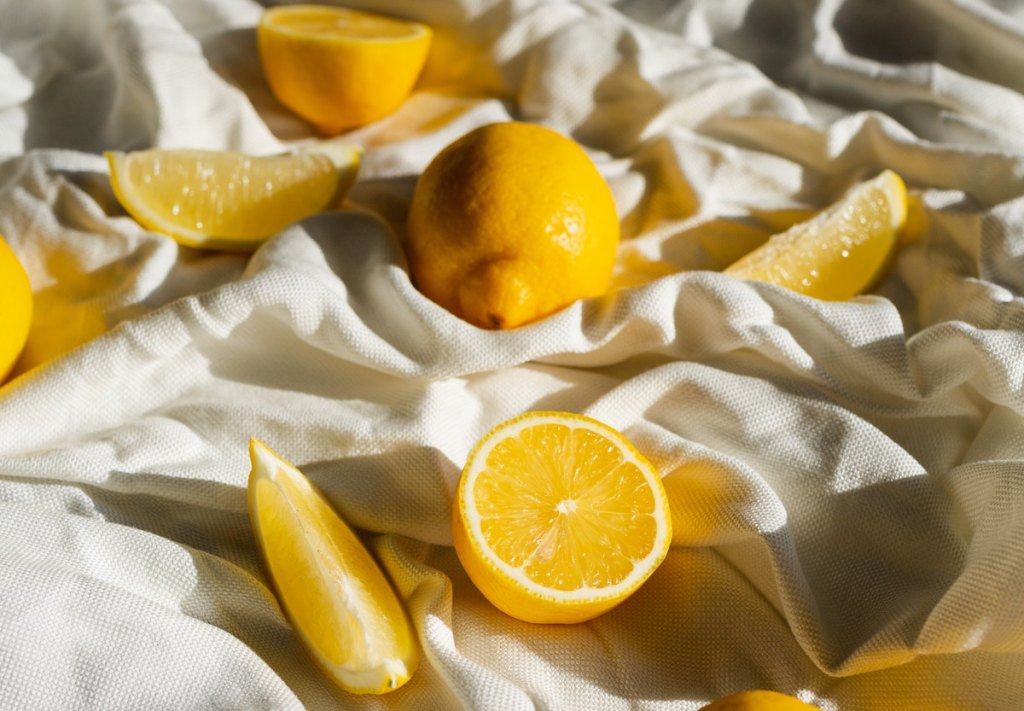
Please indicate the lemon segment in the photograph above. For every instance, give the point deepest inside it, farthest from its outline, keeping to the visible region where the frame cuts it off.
(229, 200)
(558, 518)
(337, 598)
(15, 308)
(840, 252)
(340, 68)
(511, 223)
(758, 700)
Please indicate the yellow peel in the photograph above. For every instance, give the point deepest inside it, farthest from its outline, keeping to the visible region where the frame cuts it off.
(15, 308)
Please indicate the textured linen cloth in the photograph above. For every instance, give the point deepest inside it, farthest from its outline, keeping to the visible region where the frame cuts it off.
(847, 479)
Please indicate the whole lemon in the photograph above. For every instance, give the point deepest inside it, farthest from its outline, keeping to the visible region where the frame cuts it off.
(758, 700)
(15, 308)
(510, 223)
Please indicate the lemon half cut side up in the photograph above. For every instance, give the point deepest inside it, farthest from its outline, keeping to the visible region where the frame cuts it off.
(558, 518)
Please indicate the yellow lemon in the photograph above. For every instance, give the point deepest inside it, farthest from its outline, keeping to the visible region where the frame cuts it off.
(510, 223)
(340, 68)
(557, 518)
(15, 308)
(226, 199)
(838, 253)
(758, 700)
(339, 602)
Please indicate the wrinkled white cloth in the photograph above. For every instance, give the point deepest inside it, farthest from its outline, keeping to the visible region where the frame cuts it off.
(847, 479)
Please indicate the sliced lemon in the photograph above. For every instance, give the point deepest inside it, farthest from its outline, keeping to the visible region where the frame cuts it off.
(337, 598)
(225, 199)
(840, 252)
(558, 518)
(758, 700)
(340, 68)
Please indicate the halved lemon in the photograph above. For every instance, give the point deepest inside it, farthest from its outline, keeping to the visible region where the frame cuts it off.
(337, 598)
(558, 518)
(227, 199)
(840, 252)
(340, 68)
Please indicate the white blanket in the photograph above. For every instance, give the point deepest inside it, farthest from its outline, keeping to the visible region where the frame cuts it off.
(847, 479)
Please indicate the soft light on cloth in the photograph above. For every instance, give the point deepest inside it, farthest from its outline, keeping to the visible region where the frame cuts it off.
(847, 479)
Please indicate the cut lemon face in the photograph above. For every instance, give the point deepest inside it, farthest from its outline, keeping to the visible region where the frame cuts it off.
(840, 252)
(340, 68)
(557, 517)
(229, 200)
(759, 700)
(336, 597)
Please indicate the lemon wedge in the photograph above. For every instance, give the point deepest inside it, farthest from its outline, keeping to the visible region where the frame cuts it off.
(229, 200)
(840, 252)
(337, 598)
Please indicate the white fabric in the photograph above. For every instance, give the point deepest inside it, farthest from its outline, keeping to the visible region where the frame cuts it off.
(847, 479)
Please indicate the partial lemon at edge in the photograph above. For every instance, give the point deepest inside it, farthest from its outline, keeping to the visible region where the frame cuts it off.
(758, 700)
(15, 308)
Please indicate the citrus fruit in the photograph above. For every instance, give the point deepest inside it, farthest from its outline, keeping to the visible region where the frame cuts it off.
(330, 587)
(15, 308)
(557, 518)
(838, 253)
(758, 700)
(509, 223)
(226, 199)
(340, 68)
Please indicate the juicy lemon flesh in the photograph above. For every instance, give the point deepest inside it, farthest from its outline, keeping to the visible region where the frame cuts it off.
(510, 223)
(758, 700)
(839, 253)
(562, 519)
(570, 528)
(336, 597)
(15, 308)
(337, 68)
(339, 24)
(227, 200)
